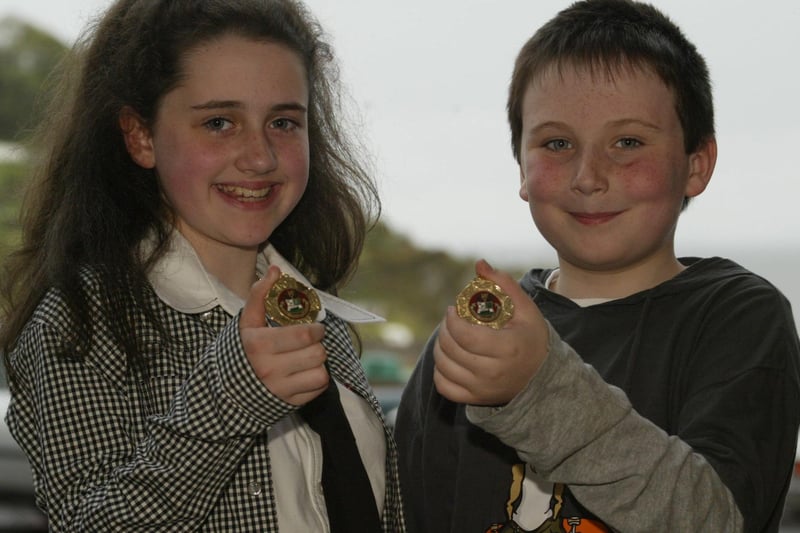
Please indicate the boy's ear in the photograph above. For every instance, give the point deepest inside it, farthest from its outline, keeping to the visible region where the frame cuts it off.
(701, 167)
(138, 139)
(523, 185)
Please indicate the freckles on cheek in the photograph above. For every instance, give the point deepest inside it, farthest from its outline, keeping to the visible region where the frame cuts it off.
(542, 182)
(645, 180)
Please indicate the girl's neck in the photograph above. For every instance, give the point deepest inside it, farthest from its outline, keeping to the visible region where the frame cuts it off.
(233, 266)
(236, 271)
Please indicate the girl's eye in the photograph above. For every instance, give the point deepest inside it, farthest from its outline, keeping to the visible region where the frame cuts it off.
(628, 142)
(218, 124)
(558, 145)
(283, 124)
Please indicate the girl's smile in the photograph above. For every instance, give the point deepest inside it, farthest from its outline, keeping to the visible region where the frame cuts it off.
(230, 147)
(246, 194)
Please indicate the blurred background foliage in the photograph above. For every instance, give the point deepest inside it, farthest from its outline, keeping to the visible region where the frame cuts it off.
(409, 286)
(27, 57)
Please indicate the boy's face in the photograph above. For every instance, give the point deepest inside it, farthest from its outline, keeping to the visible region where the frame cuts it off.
(604, 169)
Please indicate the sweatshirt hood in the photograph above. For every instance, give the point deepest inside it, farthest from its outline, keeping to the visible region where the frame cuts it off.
(698, 272)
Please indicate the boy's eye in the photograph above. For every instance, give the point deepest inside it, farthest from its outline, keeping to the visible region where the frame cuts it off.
(218, 124)
(558, 145)
(628, 142)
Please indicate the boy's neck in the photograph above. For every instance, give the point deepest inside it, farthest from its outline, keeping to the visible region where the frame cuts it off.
(577, 283)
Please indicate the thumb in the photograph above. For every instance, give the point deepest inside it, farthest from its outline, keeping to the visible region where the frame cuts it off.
(253, 313)
(509, 285)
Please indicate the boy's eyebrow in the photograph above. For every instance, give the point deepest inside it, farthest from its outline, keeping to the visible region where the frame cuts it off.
(640, 122)
(547, 124)
(235, 104)
(614, 123)
(537, 129)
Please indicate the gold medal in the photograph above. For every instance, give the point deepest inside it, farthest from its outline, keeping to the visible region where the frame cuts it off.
(290, 302)
(484, 303)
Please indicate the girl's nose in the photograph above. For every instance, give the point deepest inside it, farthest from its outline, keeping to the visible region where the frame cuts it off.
(258, 155)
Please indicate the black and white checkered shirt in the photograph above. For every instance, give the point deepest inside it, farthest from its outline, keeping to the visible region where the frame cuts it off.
(184, 450)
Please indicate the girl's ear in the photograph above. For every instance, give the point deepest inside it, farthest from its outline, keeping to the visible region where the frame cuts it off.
(138, 139)
(701, 167)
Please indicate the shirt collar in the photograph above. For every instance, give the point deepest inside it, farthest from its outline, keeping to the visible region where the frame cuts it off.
(181, 281)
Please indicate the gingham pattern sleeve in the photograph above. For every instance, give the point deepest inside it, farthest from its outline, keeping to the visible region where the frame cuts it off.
(114, 452)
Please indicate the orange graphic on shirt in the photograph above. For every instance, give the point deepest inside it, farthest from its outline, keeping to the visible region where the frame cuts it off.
(582, 525)
(551, 522)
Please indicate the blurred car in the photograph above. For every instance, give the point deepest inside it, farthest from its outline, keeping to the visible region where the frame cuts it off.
(387, 375)
(18, 511)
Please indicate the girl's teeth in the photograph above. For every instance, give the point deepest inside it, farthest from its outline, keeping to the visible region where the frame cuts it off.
(245, 193)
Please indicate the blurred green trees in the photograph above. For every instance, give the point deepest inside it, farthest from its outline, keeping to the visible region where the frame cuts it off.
(27, 57)
(12, 177)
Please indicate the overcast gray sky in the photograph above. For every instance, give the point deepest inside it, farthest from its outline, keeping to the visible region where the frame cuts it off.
(429, 80)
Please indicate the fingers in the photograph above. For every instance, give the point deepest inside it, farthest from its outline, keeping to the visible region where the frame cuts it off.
(468, 366)
(288, 360)
(453, 376)
(296, 377)
(286, 339)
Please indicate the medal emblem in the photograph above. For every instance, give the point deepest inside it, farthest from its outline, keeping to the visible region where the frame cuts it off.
(484, 303)
(290, 302)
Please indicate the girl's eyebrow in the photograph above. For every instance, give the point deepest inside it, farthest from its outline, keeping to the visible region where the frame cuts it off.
(234, 104)
(218, 104)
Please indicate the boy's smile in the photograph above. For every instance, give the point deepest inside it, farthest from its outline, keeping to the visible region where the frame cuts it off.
(590, 219)
(605, 172)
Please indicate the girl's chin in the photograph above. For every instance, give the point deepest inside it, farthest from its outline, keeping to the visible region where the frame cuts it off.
(250, 242)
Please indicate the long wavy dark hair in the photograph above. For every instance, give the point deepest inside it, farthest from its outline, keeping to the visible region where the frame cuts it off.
(90, 205)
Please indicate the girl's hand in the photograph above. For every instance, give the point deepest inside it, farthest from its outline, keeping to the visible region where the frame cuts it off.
(478, 365)
(289, 360)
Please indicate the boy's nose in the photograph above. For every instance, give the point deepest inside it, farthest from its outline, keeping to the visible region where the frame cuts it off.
(257, 155)
(591, 173)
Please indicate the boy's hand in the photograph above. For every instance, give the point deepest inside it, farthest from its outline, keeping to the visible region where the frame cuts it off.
(478, 365)
(289, 360)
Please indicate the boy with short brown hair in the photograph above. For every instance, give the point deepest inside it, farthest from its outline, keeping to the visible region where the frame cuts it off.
(631, 390)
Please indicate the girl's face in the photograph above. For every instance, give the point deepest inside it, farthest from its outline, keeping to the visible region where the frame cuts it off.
(604, 169)
(230, 143)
